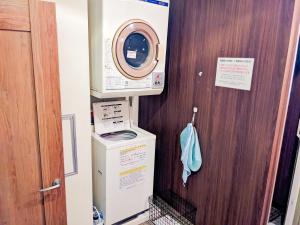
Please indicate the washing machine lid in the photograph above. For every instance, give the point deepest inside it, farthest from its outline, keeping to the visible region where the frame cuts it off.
(135, 49)
(111, 117)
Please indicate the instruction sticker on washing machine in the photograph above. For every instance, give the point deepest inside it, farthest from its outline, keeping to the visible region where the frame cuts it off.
(132, 178)
(132, 166)
(235, 73)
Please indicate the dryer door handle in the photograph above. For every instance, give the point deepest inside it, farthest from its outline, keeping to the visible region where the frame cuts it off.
(158, 54)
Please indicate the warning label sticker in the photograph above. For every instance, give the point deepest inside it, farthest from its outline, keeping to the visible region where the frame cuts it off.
(132, 178)
(133, 166)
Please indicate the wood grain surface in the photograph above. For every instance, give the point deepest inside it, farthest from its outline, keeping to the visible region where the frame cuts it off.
(282, 110)
(289, 146)
(20, 169)
(14, 15)
(46, 72)
(236, 128)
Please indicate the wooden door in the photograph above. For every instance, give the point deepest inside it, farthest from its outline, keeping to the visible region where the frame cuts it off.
(240, 131)
(289, 148)
(30, 118)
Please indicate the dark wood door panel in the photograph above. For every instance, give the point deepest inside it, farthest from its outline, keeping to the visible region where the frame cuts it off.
(289, 145)
(236, 128)
(20, 169)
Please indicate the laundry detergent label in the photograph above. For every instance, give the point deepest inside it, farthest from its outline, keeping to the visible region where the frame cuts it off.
(157, 2)
(132, 166)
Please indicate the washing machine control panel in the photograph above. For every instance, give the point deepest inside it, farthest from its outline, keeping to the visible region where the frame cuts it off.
(111, 116)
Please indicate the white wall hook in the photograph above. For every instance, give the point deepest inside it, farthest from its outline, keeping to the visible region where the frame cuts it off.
(200, 74)
(195, 110)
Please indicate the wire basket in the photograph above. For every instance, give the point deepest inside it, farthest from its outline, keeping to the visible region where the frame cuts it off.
(170, 209)
(276, 215)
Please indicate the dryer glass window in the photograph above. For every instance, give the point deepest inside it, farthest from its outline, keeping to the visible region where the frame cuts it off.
(136, 49)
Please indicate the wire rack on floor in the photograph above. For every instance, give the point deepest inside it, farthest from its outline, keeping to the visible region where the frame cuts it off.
(170, 209)
(276, 216)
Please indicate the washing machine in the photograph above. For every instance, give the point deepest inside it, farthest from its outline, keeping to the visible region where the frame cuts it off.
(128, 42)
(123, 163)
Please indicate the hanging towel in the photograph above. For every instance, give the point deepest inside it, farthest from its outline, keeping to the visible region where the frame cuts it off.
(190, 151)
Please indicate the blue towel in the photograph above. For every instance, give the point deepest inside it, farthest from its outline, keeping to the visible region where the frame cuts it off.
(190, 151)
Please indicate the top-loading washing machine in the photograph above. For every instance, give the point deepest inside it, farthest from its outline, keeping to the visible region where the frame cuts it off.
(128, 42)
(123, 163)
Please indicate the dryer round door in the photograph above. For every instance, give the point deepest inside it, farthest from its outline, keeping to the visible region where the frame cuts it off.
(135, 49)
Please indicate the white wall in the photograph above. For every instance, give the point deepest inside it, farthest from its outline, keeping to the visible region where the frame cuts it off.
(72, 28)
(72, 25)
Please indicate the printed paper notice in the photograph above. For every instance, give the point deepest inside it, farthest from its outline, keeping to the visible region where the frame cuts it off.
(235, 73)
(132, 166)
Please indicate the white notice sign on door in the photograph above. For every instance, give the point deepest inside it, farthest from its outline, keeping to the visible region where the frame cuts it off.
(235, 73)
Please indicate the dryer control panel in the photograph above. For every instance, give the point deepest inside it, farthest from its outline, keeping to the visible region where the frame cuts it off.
(111, 116)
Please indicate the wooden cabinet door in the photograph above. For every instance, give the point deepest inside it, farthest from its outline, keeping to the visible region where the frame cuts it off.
(20, 168)
(30, 116)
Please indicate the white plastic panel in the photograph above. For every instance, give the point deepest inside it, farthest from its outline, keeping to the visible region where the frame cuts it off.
(106, 80)
(123, 173)
(72, 26)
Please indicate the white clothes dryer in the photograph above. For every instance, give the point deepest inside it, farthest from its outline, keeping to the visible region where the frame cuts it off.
(128, 42)
(123, 163)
